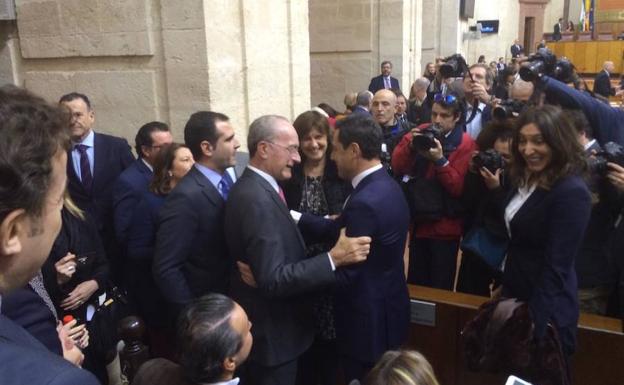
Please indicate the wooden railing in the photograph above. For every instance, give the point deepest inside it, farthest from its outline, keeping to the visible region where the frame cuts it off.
(600, 346)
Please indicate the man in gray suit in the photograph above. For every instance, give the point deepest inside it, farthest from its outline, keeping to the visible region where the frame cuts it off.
(261, 233)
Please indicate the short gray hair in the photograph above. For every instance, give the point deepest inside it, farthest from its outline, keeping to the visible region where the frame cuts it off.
(262, 129)
(364, 98)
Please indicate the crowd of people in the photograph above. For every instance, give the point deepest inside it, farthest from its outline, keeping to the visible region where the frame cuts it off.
(289, 263)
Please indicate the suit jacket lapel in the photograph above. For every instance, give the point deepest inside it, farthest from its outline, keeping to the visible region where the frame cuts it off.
(537, 197)
(100, 154)
(275, 198)
(208, 189)
(362, 185)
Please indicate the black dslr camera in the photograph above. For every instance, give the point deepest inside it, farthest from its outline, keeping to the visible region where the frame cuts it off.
(490, 159)
(454, 66)
(507, 108)
(611, 152)
(544, 62)
(425, 141)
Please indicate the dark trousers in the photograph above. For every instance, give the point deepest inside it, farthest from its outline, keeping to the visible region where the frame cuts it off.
(318, 365)
(475, 276)
(355, 370)
(256, 374)
(433, 262)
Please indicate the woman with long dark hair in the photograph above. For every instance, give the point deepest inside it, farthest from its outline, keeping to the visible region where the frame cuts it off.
(171, 165)
(315, 188)
(546, 216)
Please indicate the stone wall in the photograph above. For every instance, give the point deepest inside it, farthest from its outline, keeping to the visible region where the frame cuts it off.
(350, 38)
(143, 60)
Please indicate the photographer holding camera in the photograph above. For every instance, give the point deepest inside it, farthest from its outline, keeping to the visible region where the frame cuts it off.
(594, 263)
(485, 188)
(478, 82)
(550, 76)
(433, 160)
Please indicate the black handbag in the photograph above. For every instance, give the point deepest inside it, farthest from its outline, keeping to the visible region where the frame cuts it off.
(103, 335)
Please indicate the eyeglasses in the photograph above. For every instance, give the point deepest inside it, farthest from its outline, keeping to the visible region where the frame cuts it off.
(446, 99)
(292, 149)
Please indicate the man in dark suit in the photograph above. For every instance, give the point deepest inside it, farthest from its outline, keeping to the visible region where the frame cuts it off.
(363, 103)
(261, 233)
(94, 163)
(135, 180)
(516, 49)
(372, 303)
(384, 81)
(602, 83)
(191, 257)
(33, 143)
(557, 30)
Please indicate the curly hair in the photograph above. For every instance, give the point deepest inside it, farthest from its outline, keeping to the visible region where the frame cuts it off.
(559, 134)
(32, 131)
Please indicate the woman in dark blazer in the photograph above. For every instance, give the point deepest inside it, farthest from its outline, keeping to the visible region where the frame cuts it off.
(171, 165)
(316, 188)
(546, 215)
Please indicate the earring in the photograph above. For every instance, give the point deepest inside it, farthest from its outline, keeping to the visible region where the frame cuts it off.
(169, 173)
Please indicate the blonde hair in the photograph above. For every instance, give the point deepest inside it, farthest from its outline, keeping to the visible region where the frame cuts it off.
(402, 367)
(71, 206)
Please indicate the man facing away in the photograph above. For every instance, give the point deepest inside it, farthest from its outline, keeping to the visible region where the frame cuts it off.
(261, 233)
(33, 158)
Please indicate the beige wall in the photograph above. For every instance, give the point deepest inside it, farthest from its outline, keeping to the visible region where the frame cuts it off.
(493, 46)
(143, 60)
(350, 38)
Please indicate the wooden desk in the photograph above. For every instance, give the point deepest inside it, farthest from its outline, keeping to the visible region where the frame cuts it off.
(588, 56)
(600, 344)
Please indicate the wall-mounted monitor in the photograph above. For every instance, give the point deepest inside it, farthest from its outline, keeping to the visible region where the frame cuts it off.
(488, 26)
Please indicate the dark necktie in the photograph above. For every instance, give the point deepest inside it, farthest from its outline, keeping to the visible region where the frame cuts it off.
(226, 184)
(85, 167)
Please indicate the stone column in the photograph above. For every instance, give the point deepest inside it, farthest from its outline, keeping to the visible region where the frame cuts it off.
(350, 38)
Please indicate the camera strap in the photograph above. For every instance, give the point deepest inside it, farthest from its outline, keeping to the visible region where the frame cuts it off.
(475, 108)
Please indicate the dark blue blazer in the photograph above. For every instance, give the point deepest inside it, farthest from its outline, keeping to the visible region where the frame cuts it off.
(546, 234)
(607, 122)
(130, 185)
(112, 156)
(191, 256)
(377, 83)
(28, 310)
(372, 301)
(25, 361)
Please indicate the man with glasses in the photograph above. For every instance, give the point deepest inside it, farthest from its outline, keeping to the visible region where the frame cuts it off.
(94, 163)
(191, 256)
(262, 234)
(433, 160)
(135, 180)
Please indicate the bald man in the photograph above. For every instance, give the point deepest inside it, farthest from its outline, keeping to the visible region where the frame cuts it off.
(384, 108)
(602, 83)
(521, 90)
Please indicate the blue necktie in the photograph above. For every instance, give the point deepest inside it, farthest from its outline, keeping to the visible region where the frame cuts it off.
(85, 166)
(226, 184)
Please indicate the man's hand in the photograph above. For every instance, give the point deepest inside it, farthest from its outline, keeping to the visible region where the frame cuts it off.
(80, 295)
(348, 251)
(616, 176)
(246, 274)
(65, 268)
(479, 92)
(434, 154)
(492, 181)
(71, 352)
